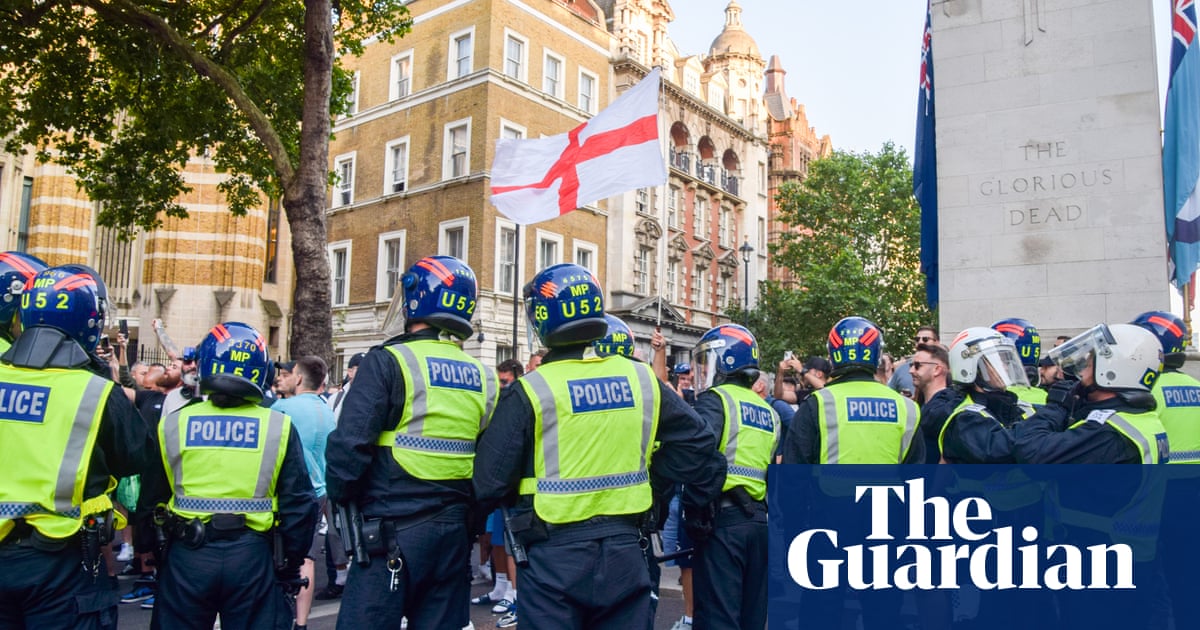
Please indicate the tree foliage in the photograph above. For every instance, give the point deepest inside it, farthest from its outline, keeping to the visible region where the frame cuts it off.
(853, 243)
(123, 92)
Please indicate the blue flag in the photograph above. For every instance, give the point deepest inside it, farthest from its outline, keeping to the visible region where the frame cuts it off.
(925, 169)
(1181, 146)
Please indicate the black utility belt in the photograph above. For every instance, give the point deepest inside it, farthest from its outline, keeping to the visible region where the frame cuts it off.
(379, 533)
(194, 533)
(25, 535)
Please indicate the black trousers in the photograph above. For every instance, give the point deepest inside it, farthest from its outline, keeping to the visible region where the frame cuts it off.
(578, 582)
(729, 576)
(233, 578)
(40, 589)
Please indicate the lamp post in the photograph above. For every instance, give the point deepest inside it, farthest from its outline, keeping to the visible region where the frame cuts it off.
(746, 250)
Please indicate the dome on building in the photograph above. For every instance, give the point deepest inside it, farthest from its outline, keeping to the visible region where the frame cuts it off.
(734, 38)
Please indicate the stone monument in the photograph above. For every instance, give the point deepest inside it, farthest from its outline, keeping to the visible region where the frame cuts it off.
(1049, 163)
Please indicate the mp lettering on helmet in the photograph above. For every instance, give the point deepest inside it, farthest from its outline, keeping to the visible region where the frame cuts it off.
(600, 394)
(454, 374)
(223, 432)
(871, 410)
(23, 403)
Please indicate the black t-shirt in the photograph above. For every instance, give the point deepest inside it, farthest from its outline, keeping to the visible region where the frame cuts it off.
(149, 403)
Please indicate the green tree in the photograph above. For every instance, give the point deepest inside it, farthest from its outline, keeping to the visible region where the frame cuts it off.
(853, 243)
(122, 92)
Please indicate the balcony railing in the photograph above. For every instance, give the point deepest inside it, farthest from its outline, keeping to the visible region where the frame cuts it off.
(681, 160)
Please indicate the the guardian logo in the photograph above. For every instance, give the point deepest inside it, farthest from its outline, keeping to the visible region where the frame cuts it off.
(990, 560)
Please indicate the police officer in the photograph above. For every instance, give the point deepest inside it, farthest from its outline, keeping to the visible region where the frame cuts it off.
(404, 450)
(984, 365)
(1108, 416)
(1028, 340)
(236, 476)
(1177, 394)
(618, 339)
(880, 427)
(16, 269)
(574, 440)
(730, 575)
(65, 433)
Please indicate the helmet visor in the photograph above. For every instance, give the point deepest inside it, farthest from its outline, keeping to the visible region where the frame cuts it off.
(393, 321)
(1075, 354)
(706, 359)
(1000, 366)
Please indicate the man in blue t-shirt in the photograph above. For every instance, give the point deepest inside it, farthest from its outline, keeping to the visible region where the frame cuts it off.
(313, 421)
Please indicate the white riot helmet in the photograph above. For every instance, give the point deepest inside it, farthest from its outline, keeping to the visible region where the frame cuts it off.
(981, 356)
(1127, 357)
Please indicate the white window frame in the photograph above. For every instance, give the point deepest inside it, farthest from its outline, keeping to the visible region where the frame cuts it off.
(448, 149)
(444, 229)
(348, 248)
(523, 67)
(691, 82)
(503, 225)
(352, 101)
(341, 187)
(549, 237)
(507, 125)
(641, 271)
(590, 248)
(382, 286)
(452, 71)
(590, 105)
(672, 280)
(557, 92)
(394, 75)
(389, 166)
(641, 201)
(716, 97)
(673, 214)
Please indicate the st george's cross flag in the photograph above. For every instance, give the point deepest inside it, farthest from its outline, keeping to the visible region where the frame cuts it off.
(1181, 146)
(614, 152)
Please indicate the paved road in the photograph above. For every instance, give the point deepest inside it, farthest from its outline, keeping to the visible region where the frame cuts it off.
(324, 614)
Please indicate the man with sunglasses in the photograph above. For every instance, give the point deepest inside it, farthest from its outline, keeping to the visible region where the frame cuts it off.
(930, 371)
(901, 380)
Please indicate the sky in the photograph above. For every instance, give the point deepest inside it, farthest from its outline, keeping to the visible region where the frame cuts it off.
(853, 65)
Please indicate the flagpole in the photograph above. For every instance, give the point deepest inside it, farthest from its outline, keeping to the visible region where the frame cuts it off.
(516, 289)
(1187, 309)
(662, 251)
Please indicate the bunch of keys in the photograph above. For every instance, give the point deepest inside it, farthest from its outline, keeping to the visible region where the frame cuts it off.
(394, 565)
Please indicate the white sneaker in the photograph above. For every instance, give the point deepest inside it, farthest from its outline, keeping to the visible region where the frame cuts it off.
(126, 553)
(323, 528)
(682, 624)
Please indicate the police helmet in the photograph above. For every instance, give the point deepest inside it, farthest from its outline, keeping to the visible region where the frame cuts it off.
(1126, 357)
(855, 342)
(233, 360)
(618, 340)
(987, 358)
(71, 298)
(16, 269)
(566, 306)
(1172, 332)
(683, 368)
(1028, 341)
(438, 290)
(721, 353)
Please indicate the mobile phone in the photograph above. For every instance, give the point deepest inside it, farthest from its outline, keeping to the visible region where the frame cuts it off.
(124, 327)
(104, 342)
(788, 355)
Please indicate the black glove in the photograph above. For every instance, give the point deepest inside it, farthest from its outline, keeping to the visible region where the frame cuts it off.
(1063, 394)
(698, 523)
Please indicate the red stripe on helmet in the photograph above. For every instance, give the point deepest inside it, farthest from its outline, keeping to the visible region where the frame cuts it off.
(438, 269)
(1166, 323)
(835, 339)
(962, 335)
(221, 332)
(260, 342)
(1011, 328)
(19, 264)
(870, 336)
(548, 289)
(74, 281)
(738, 333)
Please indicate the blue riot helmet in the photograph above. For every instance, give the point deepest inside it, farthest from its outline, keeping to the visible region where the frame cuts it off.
(566, 306)
(618, 340)
(16, 269)
(1172, 333)
(438, 290)
(855, 342)
(70, 298)
(682, 368)
(1028, 341)
(233, 361)
(722, 353)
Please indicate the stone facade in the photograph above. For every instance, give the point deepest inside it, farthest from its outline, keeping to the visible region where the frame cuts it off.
(1049, 175)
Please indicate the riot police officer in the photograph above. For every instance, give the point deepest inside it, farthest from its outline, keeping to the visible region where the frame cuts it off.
(574, 440)
(618, 339)
(1028, 340)
(16, 269)
(878, 431)
(730, 571)
(1177, 394)
(235, 470)
(65, 433)
(984, 367)
(404, 449)
(1108, 416)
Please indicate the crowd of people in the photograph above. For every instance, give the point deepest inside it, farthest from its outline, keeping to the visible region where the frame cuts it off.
(562, 471)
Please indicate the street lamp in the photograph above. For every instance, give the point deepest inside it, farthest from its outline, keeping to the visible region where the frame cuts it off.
(746, 250)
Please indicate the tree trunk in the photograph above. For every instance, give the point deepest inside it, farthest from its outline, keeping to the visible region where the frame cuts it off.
(304, 198)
